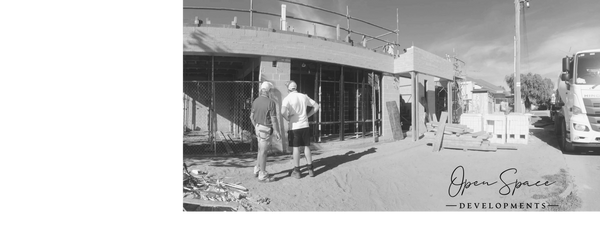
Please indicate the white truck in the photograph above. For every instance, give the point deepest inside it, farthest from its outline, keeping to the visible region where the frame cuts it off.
(577, 121)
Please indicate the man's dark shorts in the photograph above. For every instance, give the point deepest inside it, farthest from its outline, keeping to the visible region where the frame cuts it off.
(299, 137)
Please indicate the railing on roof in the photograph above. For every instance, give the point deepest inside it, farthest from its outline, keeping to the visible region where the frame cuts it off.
(347, 16)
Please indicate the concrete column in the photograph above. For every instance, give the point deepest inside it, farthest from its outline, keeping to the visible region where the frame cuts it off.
(421, 96)
(431, 97)
(389, 92)
(278, 75)
(413, 107)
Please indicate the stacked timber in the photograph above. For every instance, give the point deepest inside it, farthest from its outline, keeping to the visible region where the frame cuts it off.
(467, 141)
(456, 136)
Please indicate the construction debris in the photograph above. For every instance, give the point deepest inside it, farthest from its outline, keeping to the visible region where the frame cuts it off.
(202, 190)
(455, 136)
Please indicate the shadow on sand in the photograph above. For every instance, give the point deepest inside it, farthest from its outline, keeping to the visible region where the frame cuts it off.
(324, 164)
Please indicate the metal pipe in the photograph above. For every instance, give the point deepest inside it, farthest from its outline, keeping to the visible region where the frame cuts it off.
(267, 13)
(251, 19)
(382, 35)
(309, 6)
(371, 24)
(336, 13)
(348, 18)
(333, 26)
(214, 8)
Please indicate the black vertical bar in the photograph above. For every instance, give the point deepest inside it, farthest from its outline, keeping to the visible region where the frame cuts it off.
(213, 104)
(362, 101)
(316, 115)
(320, 103)
(341, 103)
(252, 101)
(373, 108)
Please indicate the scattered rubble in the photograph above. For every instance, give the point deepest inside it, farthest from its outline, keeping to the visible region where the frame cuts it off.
(201, 189)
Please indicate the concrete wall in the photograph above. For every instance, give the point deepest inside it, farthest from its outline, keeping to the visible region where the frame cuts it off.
(223, 39)
(431, 64)
(419, 60)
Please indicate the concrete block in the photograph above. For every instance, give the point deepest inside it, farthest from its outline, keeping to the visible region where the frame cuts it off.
(495, 125)
(266, 76)
(284, 77)
(473, 121)
(517, 128)
(267, 67)
(283, 68)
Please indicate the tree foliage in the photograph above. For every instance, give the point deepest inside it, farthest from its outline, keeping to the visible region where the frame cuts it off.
(534, 88)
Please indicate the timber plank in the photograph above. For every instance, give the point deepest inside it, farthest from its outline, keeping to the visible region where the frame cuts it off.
(439, 137)
(436, 124)
(473, 148)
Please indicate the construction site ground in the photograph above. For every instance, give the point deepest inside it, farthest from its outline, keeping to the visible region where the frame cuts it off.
(407, 176)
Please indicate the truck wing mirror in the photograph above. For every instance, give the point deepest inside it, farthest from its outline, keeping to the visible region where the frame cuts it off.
(565, 76)
(565, 64)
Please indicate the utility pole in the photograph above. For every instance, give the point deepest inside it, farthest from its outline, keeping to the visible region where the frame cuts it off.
(517, 78)
(397, 35)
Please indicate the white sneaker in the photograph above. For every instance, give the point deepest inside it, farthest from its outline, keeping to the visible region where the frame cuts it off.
(256, 170)
(264, 176)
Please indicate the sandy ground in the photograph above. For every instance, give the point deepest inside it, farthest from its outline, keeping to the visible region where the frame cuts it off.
(402, 176)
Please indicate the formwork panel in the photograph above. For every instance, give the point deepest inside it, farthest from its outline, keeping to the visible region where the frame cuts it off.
(495, 125)
(517, 128)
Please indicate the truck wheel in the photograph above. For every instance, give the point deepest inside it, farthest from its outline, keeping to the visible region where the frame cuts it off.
(566, 147)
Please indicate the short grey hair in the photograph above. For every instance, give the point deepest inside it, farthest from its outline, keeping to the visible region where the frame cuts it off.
(264, 91)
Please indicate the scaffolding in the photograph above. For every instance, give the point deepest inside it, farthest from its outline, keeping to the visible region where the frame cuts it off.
(387, 45)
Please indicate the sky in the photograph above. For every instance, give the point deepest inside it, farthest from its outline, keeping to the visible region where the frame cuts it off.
(479, 32)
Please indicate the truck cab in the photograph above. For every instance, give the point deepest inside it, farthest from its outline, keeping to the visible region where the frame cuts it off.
(577, 121)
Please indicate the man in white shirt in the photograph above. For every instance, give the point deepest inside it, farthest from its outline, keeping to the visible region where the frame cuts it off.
(293, 109)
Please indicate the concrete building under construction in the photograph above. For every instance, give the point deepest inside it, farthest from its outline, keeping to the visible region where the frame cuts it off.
(364, 94)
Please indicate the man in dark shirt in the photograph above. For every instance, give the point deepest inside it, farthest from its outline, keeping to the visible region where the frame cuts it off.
(264, 119)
